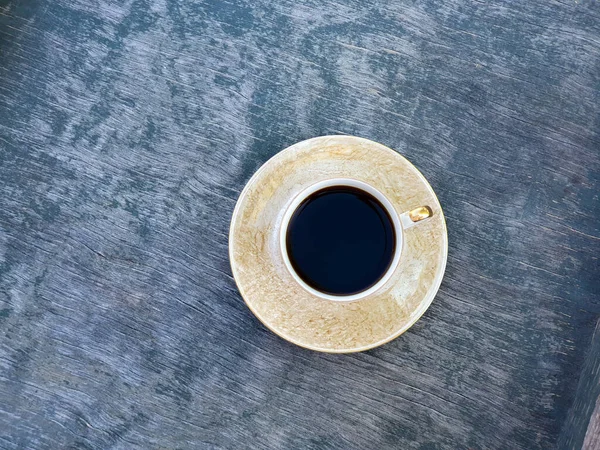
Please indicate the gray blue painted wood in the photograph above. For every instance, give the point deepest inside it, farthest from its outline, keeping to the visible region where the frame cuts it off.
(127, 131)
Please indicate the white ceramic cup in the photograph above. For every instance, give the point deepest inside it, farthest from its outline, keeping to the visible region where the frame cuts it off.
(400, 223)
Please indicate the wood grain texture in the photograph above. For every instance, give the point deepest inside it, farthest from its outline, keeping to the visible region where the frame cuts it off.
(582, 425)
(592, 436)
(127, 131)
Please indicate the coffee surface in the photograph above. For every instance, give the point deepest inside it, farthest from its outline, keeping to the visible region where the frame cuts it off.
(340, 240)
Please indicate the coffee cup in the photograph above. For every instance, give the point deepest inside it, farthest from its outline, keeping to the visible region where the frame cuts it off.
(341, 239)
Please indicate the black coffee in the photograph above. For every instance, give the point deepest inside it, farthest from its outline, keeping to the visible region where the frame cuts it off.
(340, 240)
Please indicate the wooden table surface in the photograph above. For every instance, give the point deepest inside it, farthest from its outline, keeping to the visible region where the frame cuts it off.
(127, 131)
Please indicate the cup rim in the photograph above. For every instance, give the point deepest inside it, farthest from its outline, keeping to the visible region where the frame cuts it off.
(350, 182)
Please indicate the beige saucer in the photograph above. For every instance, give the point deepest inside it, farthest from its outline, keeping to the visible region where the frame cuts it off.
(287, 308)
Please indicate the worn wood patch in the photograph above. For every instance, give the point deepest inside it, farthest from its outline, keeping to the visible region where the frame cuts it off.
(592, 436)
(127, 131)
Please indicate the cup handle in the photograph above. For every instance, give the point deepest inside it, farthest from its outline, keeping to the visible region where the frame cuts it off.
(414, 216)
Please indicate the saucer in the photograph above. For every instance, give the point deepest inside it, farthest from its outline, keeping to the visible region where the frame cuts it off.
(273, 294)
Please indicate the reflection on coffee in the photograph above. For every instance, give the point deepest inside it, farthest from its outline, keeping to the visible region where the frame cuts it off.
(340, 240)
